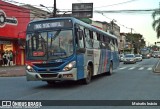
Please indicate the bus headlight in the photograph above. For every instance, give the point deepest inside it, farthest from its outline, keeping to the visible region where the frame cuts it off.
(29, 68)
(69, 66)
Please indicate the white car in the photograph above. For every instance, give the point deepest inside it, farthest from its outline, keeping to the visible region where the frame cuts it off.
(138, 57)
(129, 58)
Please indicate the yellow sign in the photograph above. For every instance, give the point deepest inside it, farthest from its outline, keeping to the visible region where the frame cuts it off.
(8, 47)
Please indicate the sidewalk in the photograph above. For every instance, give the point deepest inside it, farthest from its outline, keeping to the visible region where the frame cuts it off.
(156, 68)
(12, 71)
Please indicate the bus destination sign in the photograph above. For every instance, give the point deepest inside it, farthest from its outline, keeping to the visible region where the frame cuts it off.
(49, 25)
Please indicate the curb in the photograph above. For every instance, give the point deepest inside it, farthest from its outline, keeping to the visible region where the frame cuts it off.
(156, 67)
(10, 75)
(15, 71)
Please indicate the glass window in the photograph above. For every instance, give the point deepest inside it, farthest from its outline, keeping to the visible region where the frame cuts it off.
(50, 45)
(116, 45)
(60, 43)
(88, 39)
(95, 42)
(112, 45)
(81, 38)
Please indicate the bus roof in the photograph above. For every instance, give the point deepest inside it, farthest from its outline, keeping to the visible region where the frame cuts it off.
(74, 20)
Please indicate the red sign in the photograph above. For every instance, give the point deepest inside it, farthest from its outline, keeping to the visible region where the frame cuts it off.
(38, 53)
(13, 20)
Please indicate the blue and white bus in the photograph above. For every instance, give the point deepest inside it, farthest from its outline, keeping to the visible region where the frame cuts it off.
(60, 49)
(145, 52)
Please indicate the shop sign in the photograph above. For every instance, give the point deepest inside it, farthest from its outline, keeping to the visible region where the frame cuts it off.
(7, 47)
(7, 20)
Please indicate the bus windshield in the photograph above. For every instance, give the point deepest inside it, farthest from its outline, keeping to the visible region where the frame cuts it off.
(49, 45)
(144, 51)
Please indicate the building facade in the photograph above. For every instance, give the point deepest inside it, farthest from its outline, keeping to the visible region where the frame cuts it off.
(36, 13)
(13, 24)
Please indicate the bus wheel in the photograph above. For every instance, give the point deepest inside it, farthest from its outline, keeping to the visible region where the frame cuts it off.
(50, 82)
(110, 69)
(87, 80)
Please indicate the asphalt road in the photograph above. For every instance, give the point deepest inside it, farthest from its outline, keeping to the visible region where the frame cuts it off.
(128, 82)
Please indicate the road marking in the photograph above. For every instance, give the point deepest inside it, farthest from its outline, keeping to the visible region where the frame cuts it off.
(131, 68)
(141, 68)
(157, 64)
(122, 67)
(149, 68)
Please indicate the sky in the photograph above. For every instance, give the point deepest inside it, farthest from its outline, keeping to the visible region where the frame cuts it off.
(140, 22)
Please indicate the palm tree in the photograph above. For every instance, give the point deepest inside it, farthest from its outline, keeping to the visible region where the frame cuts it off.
(156, 22)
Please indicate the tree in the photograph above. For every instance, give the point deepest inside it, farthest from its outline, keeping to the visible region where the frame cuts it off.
(156, 22)
(136, 40)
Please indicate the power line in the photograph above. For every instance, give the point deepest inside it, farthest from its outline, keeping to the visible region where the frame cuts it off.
(117, 22)
(116, 4)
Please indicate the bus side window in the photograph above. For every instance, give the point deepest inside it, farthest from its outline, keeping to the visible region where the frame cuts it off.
(116, 45)
(88, 40)
(102, 44)
(79, 37)
(112, 44)
(96, 44)
(106, 40)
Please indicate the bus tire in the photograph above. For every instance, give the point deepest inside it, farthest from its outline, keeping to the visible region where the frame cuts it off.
(110, 69)
(87, 80)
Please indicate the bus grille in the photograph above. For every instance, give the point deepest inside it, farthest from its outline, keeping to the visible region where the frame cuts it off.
(48, 75)
(49, 64)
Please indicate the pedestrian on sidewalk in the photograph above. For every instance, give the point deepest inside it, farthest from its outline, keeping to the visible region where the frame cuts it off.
(7, 58)
(4, 58)
(11, 58)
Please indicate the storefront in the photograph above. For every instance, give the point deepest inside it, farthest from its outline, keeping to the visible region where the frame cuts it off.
(13, 24)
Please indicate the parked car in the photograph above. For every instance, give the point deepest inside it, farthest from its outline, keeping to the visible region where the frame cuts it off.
(138, 57)
(129, 58)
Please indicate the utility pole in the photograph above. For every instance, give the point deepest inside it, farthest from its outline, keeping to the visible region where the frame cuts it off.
(54, 9)
(131, 30)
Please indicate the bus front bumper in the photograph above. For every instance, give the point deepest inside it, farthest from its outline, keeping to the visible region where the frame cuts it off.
(59, 76)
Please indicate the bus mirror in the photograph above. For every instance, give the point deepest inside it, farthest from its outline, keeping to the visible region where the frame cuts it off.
(81, 50)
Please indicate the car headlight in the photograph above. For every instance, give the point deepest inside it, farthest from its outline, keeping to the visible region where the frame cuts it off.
(69, 66)
(29, 68)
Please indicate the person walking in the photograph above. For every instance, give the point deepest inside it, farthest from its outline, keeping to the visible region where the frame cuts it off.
(4, 59)
(11, 58)
(7, 58)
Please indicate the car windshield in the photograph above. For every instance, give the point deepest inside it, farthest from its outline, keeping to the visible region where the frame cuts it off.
(129, 56)
(137, 55)
(49, 45)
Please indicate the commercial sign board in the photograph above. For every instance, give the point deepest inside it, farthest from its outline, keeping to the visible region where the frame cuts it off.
(7, 20)
(13, 20)
(82, 10)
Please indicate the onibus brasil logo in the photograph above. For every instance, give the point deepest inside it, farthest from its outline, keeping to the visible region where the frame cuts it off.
(7, 20)
(20, 104)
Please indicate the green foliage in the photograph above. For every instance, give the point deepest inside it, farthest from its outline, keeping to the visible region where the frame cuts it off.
(156, 22)
(136, 40)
